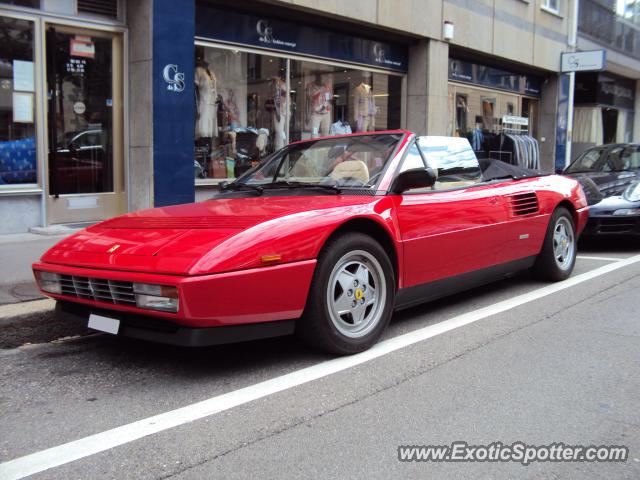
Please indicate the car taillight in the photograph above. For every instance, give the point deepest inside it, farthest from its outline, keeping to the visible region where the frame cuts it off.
(156, 297)
(48, 281)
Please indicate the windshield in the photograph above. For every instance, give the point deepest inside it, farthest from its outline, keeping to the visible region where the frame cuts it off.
(342, 162)
(618, 159)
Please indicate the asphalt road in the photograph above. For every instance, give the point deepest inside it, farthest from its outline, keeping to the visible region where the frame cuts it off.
(561, 368)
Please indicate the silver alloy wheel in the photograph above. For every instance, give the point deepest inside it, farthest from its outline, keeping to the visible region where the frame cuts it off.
(356, 294)
(563, 243)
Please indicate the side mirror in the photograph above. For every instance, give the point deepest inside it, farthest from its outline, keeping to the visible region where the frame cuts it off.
(414, 178)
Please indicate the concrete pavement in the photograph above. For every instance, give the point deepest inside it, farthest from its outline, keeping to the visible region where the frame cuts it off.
(562, 368)
(17, 253)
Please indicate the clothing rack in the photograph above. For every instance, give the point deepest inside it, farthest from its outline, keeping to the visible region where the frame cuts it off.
(526, 151)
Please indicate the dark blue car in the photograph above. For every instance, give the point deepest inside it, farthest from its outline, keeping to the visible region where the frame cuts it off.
(610, 177)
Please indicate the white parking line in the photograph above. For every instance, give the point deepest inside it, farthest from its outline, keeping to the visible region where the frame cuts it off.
(43, 460)
(604, 259)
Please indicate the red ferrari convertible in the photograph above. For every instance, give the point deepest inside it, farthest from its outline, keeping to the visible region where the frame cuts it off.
(326, 238)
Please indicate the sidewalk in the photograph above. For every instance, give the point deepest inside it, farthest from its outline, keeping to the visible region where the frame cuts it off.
(25, 315)
(17, 253)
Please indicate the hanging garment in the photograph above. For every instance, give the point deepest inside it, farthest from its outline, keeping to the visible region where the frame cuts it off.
(476, 139)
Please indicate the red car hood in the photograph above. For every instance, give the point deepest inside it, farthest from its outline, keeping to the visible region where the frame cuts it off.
(173, 239)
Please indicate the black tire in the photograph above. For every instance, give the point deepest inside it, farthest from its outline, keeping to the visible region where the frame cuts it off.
(323, 325)
(552, 265)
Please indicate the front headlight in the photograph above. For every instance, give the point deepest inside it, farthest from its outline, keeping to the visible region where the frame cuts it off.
(48, 281)
(632, 193)
(156, 297)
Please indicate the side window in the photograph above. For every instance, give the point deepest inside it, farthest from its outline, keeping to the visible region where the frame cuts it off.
(631, 157)
(614, 161)
(412, 160)
(586, 162)
(453, 160)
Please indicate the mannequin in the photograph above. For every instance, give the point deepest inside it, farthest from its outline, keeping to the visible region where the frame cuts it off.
(207, 95)
(364, 105)
(319, 96)
(232, 109)
(279, 111)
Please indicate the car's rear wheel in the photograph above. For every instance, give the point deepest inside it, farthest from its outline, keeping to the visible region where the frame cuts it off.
(351, 297)
(558, 256)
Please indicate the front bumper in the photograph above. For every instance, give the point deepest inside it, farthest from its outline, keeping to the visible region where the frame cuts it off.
(162, 331)
(612, 225)
(267, 294)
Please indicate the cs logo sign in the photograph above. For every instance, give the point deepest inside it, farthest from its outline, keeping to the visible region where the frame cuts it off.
(174, 78)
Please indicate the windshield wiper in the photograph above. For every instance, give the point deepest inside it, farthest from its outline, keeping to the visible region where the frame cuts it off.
(240, 186)
(288, 184)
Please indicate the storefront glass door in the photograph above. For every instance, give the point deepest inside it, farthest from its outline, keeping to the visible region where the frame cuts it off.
(84, 131)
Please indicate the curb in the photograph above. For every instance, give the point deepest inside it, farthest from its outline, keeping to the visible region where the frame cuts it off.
(11, 310)
(35, 322)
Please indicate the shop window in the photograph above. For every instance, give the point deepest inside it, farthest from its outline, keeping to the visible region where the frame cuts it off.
(241, 110)
(488, 113)
(249, 105)
(23, 3)
(551, 5)
(332, 100)
(461, 114)
(18, 164)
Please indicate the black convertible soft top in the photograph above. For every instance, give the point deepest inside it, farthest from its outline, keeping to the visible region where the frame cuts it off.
(494, 169)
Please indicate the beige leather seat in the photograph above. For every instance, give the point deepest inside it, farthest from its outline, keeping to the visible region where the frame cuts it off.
(304, 168)
(355, 169)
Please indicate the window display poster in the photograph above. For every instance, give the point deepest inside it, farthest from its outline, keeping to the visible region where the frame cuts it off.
(23, 76)
(22, 107)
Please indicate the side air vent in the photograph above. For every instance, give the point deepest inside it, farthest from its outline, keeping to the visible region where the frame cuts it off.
(524, 203)
(107, 8)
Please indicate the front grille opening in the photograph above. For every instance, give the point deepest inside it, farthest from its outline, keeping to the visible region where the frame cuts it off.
(617, 225)
(99, 289)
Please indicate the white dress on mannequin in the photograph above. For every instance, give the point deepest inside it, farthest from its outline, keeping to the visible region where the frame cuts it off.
(206, 83)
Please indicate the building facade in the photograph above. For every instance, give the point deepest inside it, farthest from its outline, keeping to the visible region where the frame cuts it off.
(110, 106)
(607, 103)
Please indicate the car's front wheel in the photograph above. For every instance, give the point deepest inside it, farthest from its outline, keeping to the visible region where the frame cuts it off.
(351, 297)
(558, 256)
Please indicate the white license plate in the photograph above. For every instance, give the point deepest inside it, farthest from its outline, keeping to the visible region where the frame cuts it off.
(104, 324)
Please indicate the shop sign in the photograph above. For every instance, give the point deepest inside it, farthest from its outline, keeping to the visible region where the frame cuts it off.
(478, 74)
(173, 78)
(214, 23)
(590, 61)
(513, 120)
